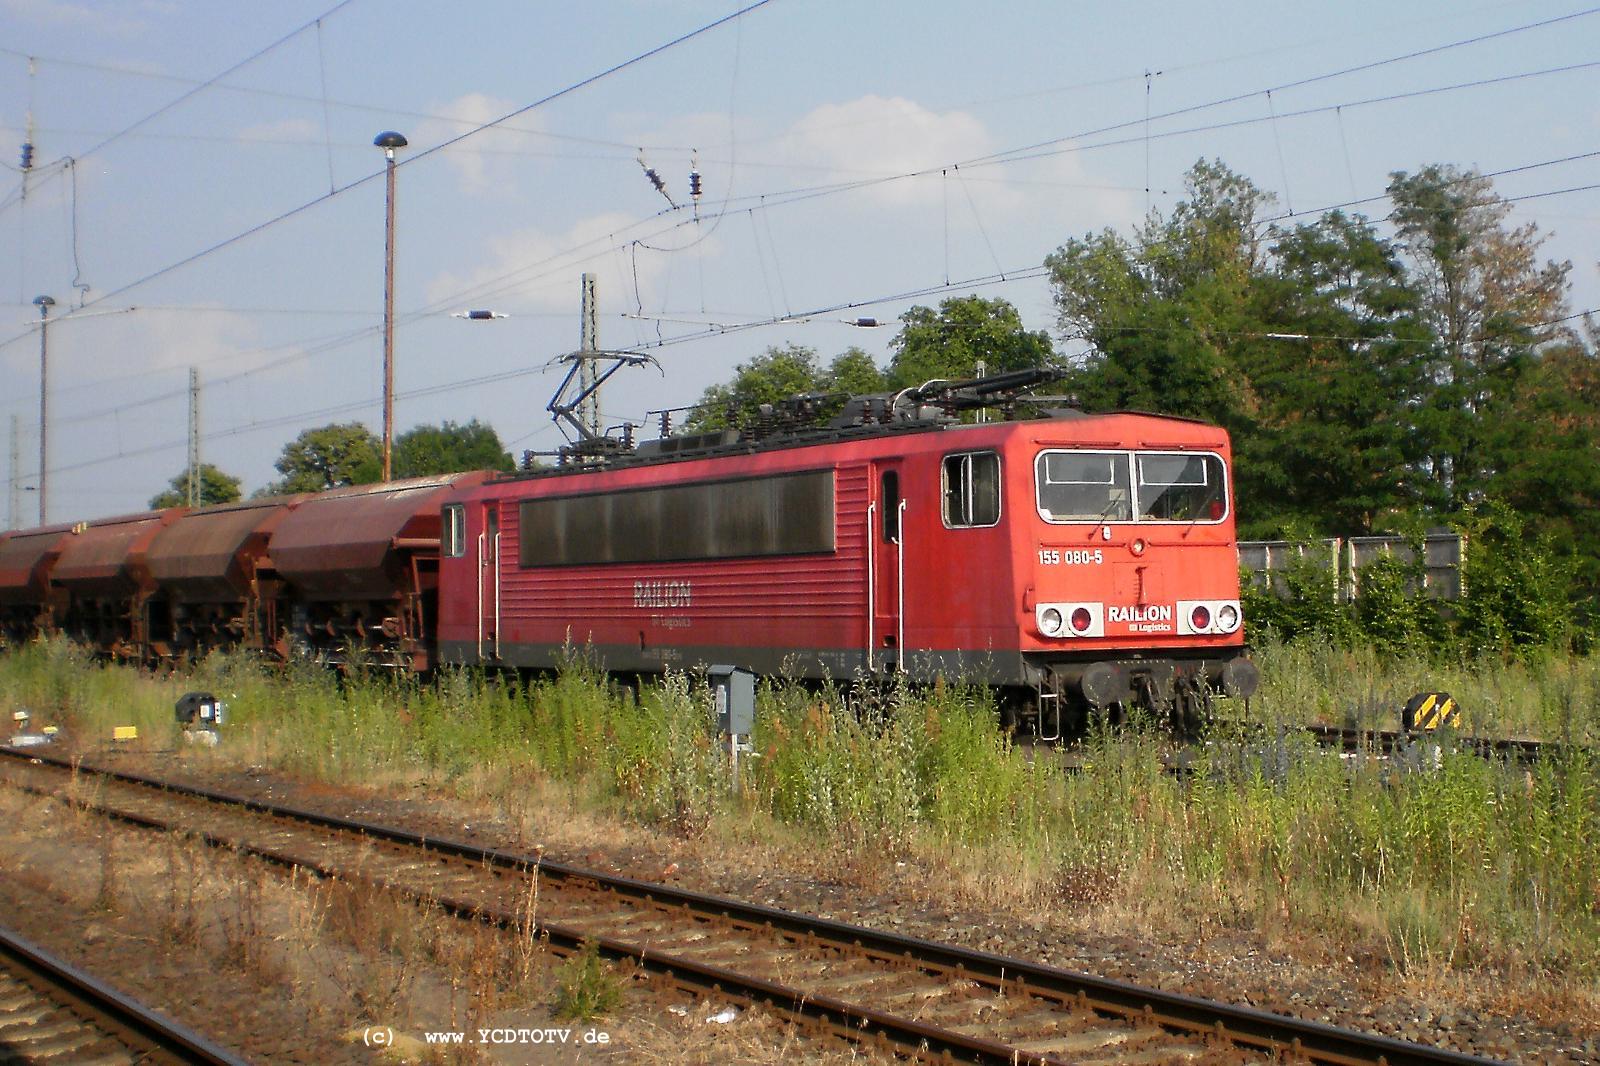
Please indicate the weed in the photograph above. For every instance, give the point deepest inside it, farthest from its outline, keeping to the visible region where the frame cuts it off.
(587, 988)
(1270, 831)
(107, 897)
(244, 942)
(528, 949)
(181, 892)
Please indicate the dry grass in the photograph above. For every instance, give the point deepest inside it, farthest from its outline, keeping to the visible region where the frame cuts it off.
(929, 803)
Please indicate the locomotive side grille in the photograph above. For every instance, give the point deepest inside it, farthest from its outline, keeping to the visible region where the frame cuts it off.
(789, 514)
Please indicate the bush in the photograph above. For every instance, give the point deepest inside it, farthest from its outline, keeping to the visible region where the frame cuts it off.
(1518, 588)
(1517, 598)
(1306, 606)
(1392, 609)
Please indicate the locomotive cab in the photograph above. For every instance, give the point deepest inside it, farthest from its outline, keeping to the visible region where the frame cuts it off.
(1134, 590)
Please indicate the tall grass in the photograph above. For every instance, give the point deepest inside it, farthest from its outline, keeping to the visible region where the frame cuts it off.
(1437, 861)
(1548, 696)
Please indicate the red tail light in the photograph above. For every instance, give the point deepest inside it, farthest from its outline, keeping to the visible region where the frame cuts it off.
(1200, 618)
(1082, 619)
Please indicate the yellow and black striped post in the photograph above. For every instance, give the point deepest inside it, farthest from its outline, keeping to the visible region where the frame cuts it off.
(1428, 711)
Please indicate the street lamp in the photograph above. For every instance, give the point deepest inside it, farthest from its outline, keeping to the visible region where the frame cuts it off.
(44, 304)
(388, 140)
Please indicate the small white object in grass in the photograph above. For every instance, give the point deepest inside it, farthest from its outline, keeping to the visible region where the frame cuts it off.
(682, 1012)
(724, 1016)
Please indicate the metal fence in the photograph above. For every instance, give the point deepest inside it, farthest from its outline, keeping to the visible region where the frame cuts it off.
(1442, 557)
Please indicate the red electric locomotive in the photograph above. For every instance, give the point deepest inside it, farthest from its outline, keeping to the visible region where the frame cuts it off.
(1077, 562)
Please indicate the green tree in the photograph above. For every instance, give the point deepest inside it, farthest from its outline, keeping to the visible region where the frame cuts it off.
(1518, 586)
(1165, 312)
(854, 373)
(1176, 319)
(1548, 472)
(328, 457)
(215, 487)
(776, 374)
(1333, 435)
(449, 448)
(950, 343)
(1490, 303)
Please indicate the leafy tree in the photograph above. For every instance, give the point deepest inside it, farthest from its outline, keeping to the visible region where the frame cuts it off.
(448, 448)
(965, 330)
(1166, 311)
(1489, 302)
(1332, 436)
(328, 457)
(215, 487)
(774, 375)
(1517, 585)
(1547, 471)
(1176, 318)
(854, 373)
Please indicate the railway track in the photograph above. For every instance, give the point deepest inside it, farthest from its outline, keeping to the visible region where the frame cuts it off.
(51, 1012)
(1388, 741)
(907, 995)
(1186, 760)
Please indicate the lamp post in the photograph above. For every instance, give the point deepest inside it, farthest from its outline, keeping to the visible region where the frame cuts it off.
(44, 304)
(388, 140)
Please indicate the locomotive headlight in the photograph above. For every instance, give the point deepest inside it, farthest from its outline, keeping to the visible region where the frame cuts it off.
(1200, 618)
(1069, 620)
(1227, 618)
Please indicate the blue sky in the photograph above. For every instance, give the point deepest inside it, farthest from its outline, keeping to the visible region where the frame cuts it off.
(851, 153)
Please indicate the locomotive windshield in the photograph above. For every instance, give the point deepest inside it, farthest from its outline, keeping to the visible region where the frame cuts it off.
(1180, 488)
(1085, 486)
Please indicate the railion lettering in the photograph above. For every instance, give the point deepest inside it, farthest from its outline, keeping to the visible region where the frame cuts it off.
(1141, 613)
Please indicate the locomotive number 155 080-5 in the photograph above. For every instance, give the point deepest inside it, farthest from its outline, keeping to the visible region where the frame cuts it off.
(1070, 557)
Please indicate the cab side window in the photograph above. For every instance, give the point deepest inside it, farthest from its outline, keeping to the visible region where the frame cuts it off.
(453, 531)
(971, 489)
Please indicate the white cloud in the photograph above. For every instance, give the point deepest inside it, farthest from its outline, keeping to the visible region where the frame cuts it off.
(478, 161)
(876, 136)
(76, 16)
(535, 268)
(216, 341)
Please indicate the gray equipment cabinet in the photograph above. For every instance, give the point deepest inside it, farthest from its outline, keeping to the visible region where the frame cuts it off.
(733, 692)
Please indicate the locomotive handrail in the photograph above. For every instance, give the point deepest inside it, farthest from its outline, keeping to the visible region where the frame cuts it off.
(872, 583)
(900, 580)
(478, 578)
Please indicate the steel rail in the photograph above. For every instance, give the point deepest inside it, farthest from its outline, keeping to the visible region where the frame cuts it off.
(122, 1012)
(1311, 1041)
(1388, 740)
